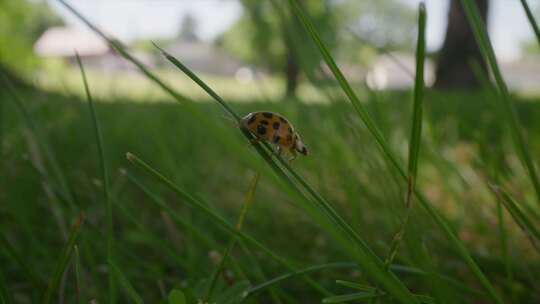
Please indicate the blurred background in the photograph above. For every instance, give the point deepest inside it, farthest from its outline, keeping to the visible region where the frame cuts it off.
(257, 56)
(249, 46)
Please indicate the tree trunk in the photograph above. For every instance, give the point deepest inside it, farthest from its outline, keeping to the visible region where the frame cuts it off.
(292, 72)
(459, 50)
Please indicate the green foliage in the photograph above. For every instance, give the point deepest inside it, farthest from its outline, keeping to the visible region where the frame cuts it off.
(262, 34)
(21, 24)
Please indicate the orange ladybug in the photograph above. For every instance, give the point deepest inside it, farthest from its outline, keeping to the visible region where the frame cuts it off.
(275, 129)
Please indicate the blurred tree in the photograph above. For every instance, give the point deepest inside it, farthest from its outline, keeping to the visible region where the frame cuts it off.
(188, 28)
(459, 49)
(21, 23)
(269, 35)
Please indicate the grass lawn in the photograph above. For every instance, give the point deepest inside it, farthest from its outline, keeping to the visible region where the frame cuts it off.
(50, 174)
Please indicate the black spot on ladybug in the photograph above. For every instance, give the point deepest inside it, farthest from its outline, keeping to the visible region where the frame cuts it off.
(290, 129)
(275, 125)
(282, 119)
(267, 114)
(276, 139)
(264, 122)
(251, 119)
(261, 130)
(289, 137)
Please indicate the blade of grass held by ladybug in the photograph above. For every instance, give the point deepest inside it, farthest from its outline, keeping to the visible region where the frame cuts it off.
(126, 285)
(217, 219)
(521, 219)
(506, 103)
(439, 220)
(531, 19)
(104, 174)
(62, 263)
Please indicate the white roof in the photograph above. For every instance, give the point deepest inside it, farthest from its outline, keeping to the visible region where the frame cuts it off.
(64, 41)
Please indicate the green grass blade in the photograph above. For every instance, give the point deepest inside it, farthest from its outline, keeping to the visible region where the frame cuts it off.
(104, 177)
(356, 297)
(128, 288)
(532, 21)
(277, 280)
(201, 83)
(372, 128)
(482, 39)
(63, 261)
(243, 212)
(77, 262)
(521, 219)
(354, 285)
(416, 132)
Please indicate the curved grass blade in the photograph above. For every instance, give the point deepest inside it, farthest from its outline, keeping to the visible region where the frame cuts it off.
(282, 278)
(521, 219)
(372, 128)
(104, 177)
(532, 21)
(128, 288)
(510, 114)
(63, 261)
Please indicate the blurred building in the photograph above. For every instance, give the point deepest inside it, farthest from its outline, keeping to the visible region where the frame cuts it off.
(204, 57)
(63, 42)
(396, 72)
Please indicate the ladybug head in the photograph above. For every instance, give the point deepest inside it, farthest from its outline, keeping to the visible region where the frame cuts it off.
(300, 146)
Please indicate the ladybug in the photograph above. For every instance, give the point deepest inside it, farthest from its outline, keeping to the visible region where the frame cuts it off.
(275, 129)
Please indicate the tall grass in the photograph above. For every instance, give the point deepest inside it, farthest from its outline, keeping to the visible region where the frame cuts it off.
(205, 227)
(63, 260)
(364, 115)
(510, 114)
(105, 178)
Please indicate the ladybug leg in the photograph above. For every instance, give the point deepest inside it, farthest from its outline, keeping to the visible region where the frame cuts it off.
(293, 155)
(254, 141)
